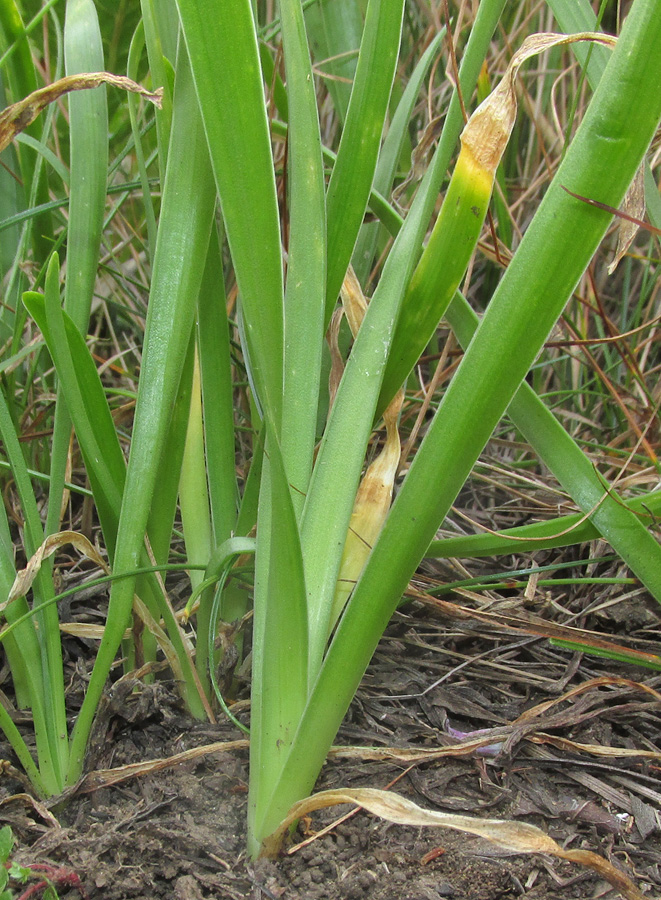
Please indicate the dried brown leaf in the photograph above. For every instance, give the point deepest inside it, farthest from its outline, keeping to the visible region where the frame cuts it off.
(594, 749)
(24, 578)
(633, 208)
(88, 631)
(19, 116)
(488, 129)
(353, 301)
(517, 837)
(29, 800)
(535, 625)
(105, 777)
(337, 363)
(602, 681)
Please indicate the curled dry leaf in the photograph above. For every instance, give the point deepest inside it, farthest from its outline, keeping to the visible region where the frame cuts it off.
(24, 578)
(488, 130)
(633, 209)
(27, 799)
(106, 777)
(517, 837)
(18, 116)
(375, 491)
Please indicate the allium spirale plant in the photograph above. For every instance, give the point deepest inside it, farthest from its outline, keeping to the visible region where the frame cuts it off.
(331, 557)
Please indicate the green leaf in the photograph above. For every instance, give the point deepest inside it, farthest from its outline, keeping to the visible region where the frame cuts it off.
(335, 30)
(280, 638)
(6, 844)
(306, 272)
(390, 154)
(231, 98)
(611, 516)
(353, 172)
(86, 404)
(183, 239)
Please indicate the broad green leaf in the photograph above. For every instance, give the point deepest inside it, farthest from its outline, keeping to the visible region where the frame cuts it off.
(353, 172)
(390, 154)
(306, 270)
(86, 405)
(280, 637)
(224, 55)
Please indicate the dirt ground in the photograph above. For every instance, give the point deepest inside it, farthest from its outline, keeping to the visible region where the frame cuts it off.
(179, 831)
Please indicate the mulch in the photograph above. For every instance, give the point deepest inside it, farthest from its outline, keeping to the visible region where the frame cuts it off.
(458, 715)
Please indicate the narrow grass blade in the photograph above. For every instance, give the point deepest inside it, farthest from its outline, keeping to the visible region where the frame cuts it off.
(577, 15)
(22, 79)
(22, 647)
(18, 745)
(335, 31)
(134, 59)
(193, 490)
(213, 338)
(273, 80)
(36, 669)
(561, 532)
(12, 204)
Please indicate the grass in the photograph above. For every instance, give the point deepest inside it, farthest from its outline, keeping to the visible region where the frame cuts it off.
(233, 442)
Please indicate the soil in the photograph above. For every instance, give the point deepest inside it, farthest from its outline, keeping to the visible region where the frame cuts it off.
(179, 831)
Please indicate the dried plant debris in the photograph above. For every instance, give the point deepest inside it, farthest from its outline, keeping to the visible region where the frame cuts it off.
(20, 115)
